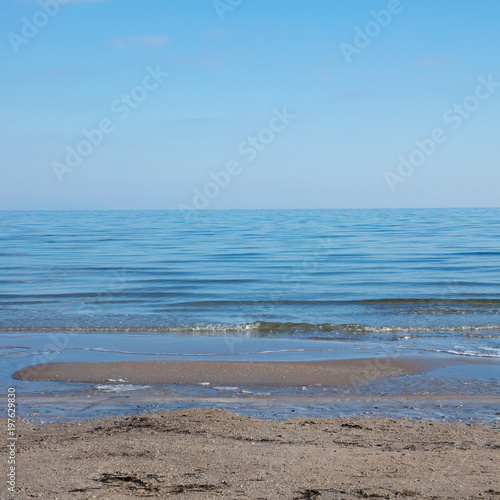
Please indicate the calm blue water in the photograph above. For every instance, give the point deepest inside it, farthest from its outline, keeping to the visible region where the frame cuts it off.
(280, 285)
(429, 278)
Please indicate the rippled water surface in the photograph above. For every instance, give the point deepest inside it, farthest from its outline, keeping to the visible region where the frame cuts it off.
(385, 275)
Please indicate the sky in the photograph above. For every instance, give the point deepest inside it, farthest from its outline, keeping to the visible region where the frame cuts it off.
(235, 104)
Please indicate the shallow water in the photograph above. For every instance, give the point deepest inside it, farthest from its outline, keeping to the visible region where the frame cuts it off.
(452, 389)
(132, 285)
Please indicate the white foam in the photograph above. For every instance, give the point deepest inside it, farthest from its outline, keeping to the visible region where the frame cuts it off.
(464, 351)
(119, 387)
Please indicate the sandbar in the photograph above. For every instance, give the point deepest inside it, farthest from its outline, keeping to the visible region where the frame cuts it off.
(279, 373)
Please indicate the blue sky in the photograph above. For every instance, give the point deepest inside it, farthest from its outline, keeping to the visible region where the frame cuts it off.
(333, 93)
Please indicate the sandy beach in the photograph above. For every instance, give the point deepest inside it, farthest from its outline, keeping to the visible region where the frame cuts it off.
(208, 453)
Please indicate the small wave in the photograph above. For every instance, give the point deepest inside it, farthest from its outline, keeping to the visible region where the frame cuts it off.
(180, 299)
(482, 352)
(481, 336)
(268, 328)
(195, 355)
(478, 352)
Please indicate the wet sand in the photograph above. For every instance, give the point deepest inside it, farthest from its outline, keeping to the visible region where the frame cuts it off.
(277, 373)
(208, 453)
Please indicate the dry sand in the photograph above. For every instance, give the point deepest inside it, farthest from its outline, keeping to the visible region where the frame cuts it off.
(208, 453)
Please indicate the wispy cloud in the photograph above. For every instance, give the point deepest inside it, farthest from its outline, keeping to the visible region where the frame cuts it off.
(437, 60)
(355, 94)
(140, 42)
(216, 32)
(68, 71)
(199, 60)
(210, 58)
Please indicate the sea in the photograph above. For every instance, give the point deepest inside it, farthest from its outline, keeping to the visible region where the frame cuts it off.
(254, 285)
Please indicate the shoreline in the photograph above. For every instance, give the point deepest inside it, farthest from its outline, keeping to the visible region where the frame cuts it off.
(209, 453)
